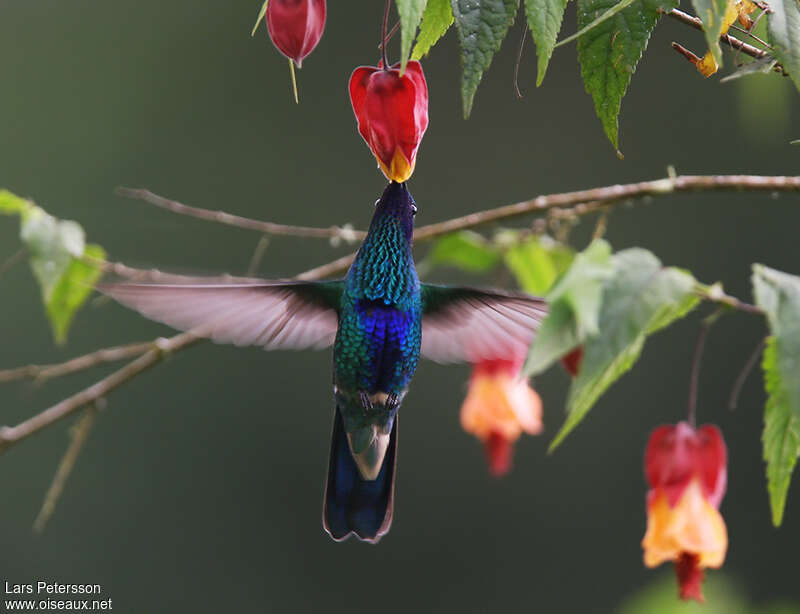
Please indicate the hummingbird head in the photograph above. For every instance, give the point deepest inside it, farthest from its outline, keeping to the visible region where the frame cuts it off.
(396, 205)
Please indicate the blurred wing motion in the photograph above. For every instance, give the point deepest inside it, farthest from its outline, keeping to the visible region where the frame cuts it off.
(470, 325)
(275, 315)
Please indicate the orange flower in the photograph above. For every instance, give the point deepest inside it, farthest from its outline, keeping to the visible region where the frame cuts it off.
(392, 114)
(687, 473)
(500, 405)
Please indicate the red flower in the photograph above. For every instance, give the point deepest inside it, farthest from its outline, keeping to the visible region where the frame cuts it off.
(687, 473)
(500, 405)
(392, 114)
(295, 26)
(572, 361)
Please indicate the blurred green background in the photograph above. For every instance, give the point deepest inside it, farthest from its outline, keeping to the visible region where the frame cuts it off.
(200, 488)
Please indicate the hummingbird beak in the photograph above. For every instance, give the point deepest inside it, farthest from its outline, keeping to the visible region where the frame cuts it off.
(368, 446)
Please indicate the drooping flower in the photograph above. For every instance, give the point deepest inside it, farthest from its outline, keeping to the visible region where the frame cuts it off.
(572, 361)
(686, 469)
(499, 407)
(295, 26)
(392, 114)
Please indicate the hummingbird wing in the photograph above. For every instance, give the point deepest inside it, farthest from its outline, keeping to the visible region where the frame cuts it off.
(273, 314)
(461, 324)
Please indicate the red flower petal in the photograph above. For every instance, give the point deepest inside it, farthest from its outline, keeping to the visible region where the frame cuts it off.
(572, 361)
(499, 453)
(295, 26)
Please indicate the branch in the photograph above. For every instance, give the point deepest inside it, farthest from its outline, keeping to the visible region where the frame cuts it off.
(592, 199)
(98, 357)
(221, 217)
(731, 41)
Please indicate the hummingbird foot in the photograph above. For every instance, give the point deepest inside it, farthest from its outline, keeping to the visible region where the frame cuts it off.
(366, 401)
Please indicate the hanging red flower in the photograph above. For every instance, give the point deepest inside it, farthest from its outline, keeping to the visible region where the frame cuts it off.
(295, 26)
(687, 473)
(392, 114)
(499, 407)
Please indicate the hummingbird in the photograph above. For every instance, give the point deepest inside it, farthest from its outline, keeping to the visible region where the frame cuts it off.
(379, 319)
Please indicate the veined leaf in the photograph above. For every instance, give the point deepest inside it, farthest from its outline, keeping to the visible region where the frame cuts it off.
(623, 4)
(573, 307)
(410, 12)
(640, 298)
(783, 27)
(781, 436)
(712, 14)
(482, 25)
(436, 20)
(537, 263)
(465, 250)
(11, 204)
(260, 17)
(609, 53)
(544, 20)
(778, 294)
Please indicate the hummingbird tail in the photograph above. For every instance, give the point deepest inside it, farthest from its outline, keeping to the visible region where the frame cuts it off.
(353, 504)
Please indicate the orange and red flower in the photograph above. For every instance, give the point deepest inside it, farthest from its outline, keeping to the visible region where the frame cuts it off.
(499, 407)
(392, 114)
(686, 469)
(295, 26)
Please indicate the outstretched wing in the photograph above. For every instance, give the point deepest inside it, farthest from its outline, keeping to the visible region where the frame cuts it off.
(470, 325)
(275, 315)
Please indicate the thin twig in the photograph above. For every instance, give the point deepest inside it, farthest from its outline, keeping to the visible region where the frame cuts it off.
(384, 38)
(221, 217)
(258, 254)
(98, 357)
(390, 35)
(11, 261)
(79, 434)
(519, 60)
(744, 374)
(731, 41)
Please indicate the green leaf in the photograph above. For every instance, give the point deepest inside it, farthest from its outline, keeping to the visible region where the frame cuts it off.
(778, 294)
(537, 262)
(11, 204)
(783, 27)
(260, 17)
(71, 290)
(436, 20)
(641, 298)
(756, 67)
(574, 307)
(410, 12)
(465, 250)
(55, 248)
(609, 53)
(605, 16)
(482, 25)
(712, 14)
(781, 436)
(544, 20)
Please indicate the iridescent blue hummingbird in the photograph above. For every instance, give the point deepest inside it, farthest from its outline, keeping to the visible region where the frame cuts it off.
(380, 319)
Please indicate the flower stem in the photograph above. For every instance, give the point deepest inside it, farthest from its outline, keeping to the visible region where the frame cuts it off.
(294, 82)
(384, 40)
(691, 414)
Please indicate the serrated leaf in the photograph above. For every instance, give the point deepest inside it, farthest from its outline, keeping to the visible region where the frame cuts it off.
(465, 250)
(640, 298)
(410, 12)
(537, 263)
(783, 27)
(781, 438)
(609, 53)
(573, 307)
(11, 204)
(260, 17)
(756, 67)
(436, 20)
(482, 25)
(604, 17)
(544, 20)
(712, 14)
(71, 290)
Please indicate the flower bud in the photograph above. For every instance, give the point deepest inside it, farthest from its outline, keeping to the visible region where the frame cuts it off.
(392, 114)
(295, 26)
